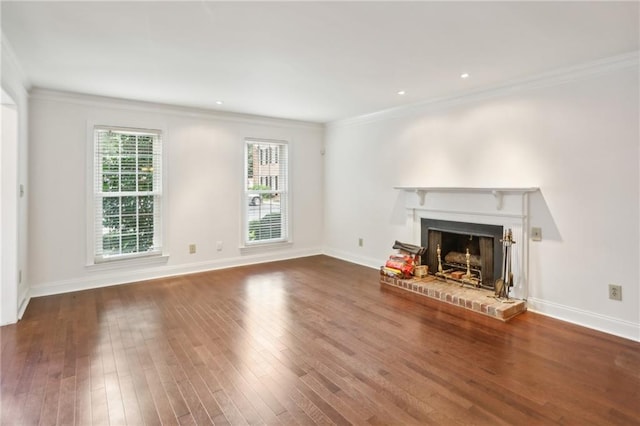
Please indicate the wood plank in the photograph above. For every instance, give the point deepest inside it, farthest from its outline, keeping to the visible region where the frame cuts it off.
(303, 341)
(82, 413)
(144, 397)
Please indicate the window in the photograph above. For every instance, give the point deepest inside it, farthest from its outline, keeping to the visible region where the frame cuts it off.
(266, 192)
(127, 193)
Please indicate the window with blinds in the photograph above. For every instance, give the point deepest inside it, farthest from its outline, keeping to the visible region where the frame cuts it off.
(266, 191)
(127, 193)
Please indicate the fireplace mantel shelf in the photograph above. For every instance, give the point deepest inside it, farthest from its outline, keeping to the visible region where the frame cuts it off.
(498, 193)
(506, 207)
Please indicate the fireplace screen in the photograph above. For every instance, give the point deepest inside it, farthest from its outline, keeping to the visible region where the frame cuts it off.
(455, 238)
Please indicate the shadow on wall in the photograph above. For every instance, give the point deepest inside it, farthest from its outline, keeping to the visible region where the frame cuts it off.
(399, 211)
(540, 216)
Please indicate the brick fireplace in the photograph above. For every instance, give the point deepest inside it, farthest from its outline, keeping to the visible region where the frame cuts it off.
(482, 241)
(473, 219)
(451, 215)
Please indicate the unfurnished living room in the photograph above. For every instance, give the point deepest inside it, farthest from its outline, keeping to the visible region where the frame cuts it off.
(304, 213)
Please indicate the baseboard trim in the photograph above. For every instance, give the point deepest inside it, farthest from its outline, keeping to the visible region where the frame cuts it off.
(128, 276)
(606, 324)
(349, 257)
(23, 306)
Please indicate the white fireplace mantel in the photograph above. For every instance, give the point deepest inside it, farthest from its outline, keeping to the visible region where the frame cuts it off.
(507, 207)
(498, 193)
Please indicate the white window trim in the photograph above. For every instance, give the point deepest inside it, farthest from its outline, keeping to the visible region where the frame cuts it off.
(264, 245)
(135, 259)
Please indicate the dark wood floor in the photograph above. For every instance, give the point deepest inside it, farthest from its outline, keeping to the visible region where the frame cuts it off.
(305, 341)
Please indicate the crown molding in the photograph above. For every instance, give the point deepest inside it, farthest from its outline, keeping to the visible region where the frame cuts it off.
(44, 94)
(547, 79)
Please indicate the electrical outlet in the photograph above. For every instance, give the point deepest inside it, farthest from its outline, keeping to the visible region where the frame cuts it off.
(219, 245)
(615, 292)
(192, 248)
(360, 242)
(536, 234)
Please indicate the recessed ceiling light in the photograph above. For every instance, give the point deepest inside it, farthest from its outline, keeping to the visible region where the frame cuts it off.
(219, 102)
(401, 92)
(465, 75)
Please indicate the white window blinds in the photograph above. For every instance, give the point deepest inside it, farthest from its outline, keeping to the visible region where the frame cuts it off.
(266, 191)
(127, 192)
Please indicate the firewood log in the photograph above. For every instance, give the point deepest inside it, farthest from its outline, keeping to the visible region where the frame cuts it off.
(457, 257)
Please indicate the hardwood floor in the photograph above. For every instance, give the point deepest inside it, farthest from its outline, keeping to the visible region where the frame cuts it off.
(313, 340)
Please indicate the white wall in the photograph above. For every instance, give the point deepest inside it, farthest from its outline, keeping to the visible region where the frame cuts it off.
(574, 136)
(13, 290)
(204, 165)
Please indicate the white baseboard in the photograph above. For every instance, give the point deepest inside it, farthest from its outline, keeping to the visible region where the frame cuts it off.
(109, 277)
(350, 257)
(615, 326)
(606, 324)
(25, 299)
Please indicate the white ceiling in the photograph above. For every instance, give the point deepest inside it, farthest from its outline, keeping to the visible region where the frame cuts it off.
(314, 61)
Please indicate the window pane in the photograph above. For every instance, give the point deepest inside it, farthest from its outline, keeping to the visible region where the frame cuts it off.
(145, 182)
(145, 229)
(129, 225)
(145, 145)
(111, 206)
(129, 164)
(111, 224)
(111, 243)
(269, 227)
(128, 144)
(252, 159)
(110, 164)
(145, 241)
(111, 144)
(129, 205)
(145, 204)
(145, 163)
(110, 182)
(129, 243)
(125, 162)
(145, 222)
(266, 191)
(128, 183)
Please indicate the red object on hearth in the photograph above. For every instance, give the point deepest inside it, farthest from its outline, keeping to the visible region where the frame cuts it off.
(404, 263)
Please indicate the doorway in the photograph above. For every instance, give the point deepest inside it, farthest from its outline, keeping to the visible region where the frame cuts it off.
(8, 211)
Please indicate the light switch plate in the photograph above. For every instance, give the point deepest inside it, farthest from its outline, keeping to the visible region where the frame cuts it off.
(615, 292)
(536, 234)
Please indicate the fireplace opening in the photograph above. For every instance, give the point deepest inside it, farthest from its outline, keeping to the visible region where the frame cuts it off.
(454, 239)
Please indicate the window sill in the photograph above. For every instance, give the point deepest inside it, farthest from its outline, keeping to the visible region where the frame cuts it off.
(256, 248)
(128, 263)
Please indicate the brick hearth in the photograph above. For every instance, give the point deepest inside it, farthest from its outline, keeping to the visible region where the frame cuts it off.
(474, 299)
